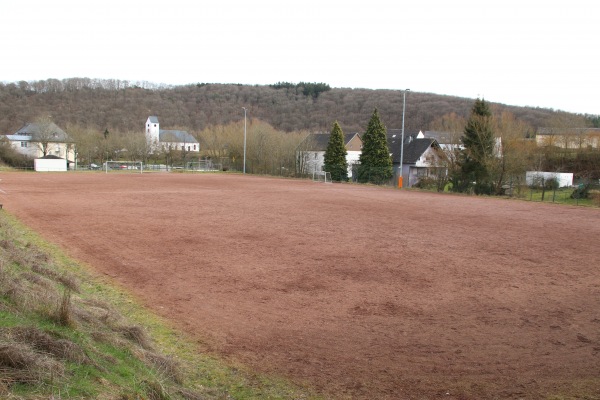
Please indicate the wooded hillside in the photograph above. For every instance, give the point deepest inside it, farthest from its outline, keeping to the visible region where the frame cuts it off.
(124, 106)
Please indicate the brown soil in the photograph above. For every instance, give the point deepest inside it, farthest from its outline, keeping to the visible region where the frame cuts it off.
(359, 291)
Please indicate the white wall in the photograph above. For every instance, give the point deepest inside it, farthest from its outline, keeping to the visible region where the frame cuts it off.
(34, 149)
(564, 179)
(50, 165)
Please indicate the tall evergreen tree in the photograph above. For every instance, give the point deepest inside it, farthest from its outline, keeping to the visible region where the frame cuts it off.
(375, 160)
(335, 155)
(478, 139)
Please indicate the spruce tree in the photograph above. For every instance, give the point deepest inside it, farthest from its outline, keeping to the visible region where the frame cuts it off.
(335, 155)
(478, 139)
(375, 160)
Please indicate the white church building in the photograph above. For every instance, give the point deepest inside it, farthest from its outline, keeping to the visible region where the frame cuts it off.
(169, 139)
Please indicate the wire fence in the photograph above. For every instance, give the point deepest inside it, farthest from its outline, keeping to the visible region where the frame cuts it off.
(570, 195)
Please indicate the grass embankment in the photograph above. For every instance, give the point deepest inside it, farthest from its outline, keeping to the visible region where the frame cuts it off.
(64, 334)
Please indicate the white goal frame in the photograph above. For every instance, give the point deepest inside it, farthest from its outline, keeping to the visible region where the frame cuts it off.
(322, 176)
(124, 166)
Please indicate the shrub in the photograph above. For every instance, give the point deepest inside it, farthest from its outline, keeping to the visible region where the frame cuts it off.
(13, 158)
(581, 192)
(428, 183)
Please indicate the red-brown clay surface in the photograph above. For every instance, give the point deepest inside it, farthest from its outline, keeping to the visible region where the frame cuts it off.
(360, 291)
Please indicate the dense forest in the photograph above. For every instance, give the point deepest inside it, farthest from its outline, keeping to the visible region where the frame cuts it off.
(123, 106)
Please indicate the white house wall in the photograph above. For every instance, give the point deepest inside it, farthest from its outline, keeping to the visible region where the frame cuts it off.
(352, 157)
(316, 161)
(34, 149)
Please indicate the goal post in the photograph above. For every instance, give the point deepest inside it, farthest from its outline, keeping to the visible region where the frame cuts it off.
(322, 176)
(203, 166)
(123, 166)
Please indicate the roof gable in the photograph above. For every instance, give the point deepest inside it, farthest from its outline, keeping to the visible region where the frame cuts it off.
(43, 132)
(443, 137)
(319, 141)
(416, 148)
(413, 148)
(153, 119)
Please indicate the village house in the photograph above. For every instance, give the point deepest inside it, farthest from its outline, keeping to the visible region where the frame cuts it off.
(311, 152)
(161, 139)
(571, 138)
(422, 156)
(43, 139)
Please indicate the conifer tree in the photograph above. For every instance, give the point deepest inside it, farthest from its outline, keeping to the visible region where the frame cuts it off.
(375, 160)
(335, 155)
(478, 139)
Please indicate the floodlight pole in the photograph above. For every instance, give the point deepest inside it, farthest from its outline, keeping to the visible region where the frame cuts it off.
(244, 108)
(402, 143)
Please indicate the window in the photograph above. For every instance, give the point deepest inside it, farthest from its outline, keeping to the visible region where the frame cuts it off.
(194, 147)
(155, 125)
(24, 144)
(148, 126)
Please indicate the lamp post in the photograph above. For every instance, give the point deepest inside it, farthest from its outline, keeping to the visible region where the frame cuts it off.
(401, 180)
(244, 108)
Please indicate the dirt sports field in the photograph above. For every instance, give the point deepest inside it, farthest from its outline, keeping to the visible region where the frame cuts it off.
(362, 292)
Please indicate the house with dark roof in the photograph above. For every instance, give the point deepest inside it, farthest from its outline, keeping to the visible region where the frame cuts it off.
(41, 139)
(169, 139)
(422, 156)
(311, 152)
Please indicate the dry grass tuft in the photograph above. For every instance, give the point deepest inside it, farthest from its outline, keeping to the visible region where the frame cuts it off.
(17, 356)
(68, 280)
(7, 245)
(39, 280)
(15, 291)
(165, 366)
(137, 335)
(100, 311)
(156, 391)
(36, 254)
(20, 363)
(64, 315)
(45, 343)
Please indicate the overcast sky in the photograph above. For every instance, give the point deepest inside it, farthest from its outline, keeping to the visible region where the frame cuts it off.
(518, 52)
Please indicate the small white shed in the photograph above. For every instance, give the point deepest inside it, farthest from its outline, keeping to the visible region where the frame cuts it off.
(564, 179)
(50, 164)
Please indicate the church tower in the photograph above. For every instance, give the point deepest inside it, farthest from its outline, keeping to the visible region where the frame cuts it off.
(152, 131)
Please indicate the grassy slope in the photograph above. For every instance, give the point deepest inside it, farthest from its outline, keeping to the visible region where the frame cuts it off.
(64, 334)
